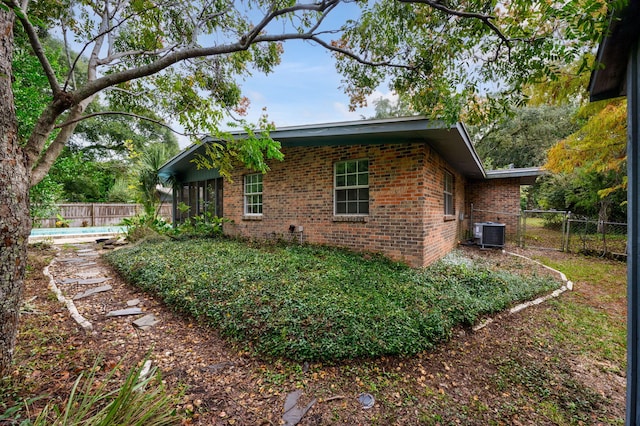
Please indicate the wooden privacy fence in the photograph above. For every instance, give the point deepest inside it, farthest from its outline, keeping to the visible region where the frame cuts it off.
(98, 214)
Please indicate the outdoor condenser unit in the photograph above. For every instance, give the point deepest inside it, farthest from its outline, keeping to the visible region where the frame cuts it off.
(489, 234)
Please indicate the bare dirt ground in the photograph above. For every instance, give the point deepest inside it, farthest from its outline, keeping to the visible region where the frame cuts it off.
(516, 370)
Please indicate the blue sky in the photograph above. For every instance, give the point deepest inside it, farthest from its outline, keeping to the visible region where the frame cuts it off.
(304, 89)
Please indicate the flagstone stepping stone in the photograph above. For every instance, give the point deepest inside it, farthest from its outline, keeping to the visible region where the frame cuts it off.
(88, 254)
(72, 260)
(293, 413)
(92, 273)
(68, 281)
(92, 291)
(85, 251)
(125, 312)
(87, 264)
(146, 322)
(89, 281)
(133, 302)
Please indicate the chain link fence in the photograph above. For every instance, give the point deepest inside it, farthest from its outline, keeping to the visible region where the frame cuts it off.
(592, 236)
(562, 231)
(543, 229)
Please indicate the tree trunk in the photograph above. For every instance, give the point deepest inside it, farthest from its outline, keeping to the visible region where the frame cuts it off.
(15, 222)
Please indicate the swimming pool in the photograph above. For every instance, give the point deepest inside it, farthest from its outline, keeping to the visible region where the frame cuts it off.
(67, 232)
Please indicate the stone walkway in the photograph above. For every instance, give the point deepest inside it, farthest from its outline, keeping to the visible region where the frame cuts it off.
(80, 281)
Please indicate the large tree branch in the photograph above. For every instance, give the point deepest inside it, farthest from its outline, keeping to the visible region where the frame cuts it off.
(41, 166)
(324, 6)
(486, 19)
(115, 56)
(126, 114)
(357, 58)
(105, 32)
(47, 120)
(34, 40)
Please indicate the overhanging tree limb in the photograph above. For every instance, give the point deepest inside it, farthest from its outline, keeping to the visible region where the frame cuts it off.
(34, 40)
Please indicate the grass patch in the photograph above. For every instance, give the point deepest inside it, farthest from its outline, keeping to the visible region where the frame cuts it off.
(593, 324)
(317, 303)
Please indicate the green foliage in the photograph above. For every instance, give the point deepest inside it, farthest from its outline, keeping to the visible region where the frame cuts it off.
(30, 85)
(206, 225)
(314, 303)
(82, 178)
(522, 140)
(145, 225)
(148, 163)
(141, 400)
(387, 108)
(452, 67)
(598, 150)
(112, 135)
(43, 199)
(149, 226)
(578, 192)
(61, 222)
(121, 192)
(252, 151)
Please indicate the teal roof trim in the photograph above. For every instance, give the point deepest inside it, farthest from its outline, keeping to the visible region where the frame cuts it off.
(452, 142)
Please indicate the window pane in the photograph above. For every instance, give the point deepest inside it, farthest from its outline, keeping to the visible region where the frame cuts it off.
(448, 204)
(349, 175)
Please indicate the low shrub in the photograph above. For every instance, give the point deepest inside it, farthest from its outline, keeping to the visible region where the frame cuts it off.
(149, 226)
(317, 303)
(144, 226)
(141, 400)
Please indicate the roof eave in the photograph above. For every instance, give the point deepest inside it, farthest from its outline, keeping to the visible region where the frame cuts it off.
(526, 175)
(609, 79)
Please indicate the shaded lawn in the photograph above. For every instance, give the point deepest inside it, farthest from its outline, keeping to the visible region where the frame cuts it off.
(318, 303)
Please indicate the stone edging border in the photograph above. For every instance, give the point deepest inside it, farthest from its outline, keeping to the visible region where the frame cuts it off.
(567, 285)
(82, 321)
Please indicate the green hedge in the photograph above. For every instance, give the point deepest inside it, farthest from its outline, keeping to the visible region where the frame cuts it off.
(318, 303)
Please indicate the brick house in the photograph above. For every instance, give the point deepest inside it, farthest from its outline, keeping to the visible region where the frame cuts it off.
(402, 187)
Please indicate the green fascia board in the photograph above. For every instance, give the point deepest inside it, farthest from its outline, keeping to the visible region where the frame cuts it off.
(452, 142)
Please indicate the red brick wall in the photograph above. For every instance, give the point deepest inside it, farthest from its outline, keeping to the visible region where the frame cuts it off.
(496, 200)
(406, 209)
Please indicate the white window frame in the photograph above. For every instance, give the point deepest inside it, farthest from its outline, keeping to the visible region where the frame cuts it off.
(449, 207)
(253, 186)
(343, 182)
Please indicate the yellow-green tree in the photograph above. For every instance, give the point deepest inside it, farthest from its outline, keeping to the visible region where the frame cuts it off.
(596, 153)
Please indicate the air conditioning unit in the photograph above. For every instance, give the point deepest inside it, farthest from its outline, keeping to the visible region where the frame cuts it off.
(489, 234)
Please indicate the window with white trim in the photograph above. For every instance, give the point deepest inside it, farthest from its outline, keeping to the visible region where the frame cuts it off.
(253, 194)
(351, 187)
(449, 209)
